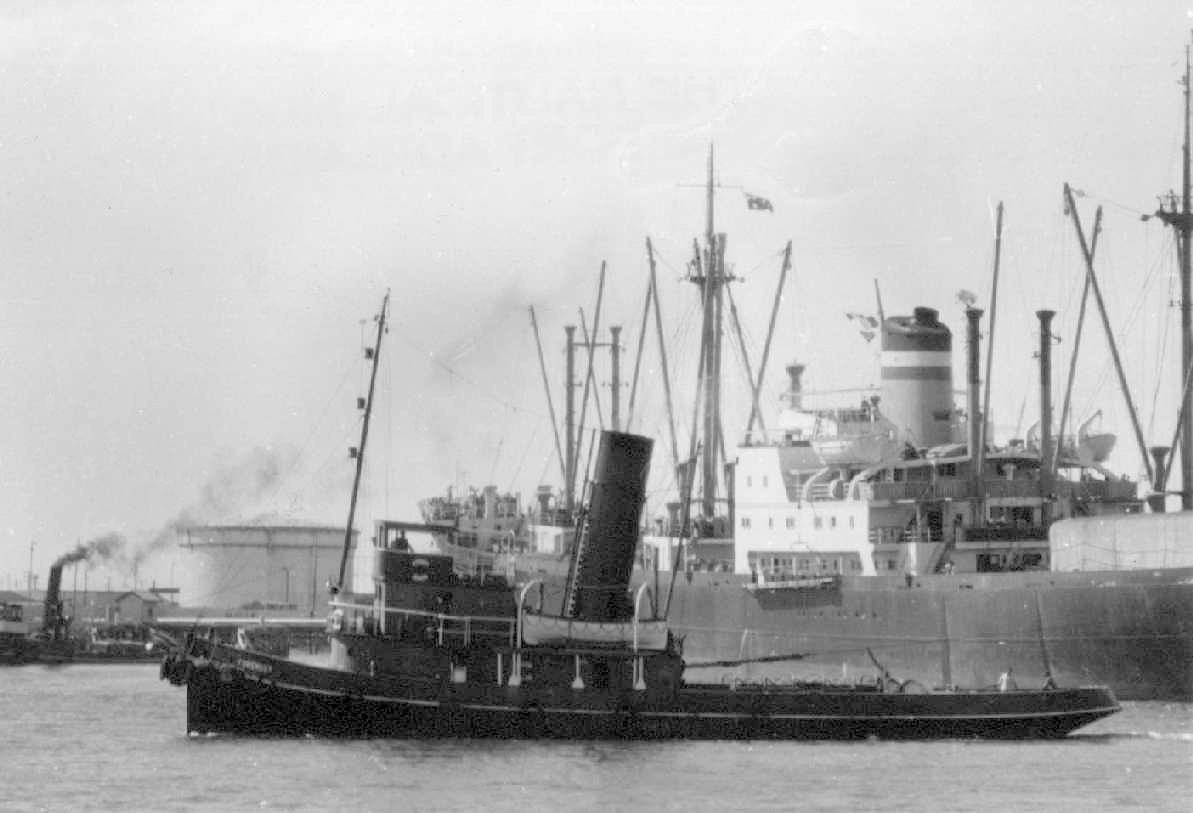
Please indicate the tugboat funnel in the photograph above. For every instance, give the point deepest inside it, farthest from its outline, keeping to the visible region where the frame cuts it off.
(603, 557)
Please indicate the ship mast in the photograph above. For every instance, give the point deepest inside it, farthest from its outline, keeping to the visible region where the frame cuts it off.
(708, 272)
(373, 353)
(1182, 222)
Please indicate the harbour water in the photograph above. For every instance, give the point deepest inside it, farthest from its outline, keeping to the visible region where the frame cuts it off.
(112, 737)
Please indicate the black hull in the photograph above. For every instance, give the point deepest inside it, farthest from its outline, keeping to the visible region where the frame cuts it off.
(239, 693)
(33, 651)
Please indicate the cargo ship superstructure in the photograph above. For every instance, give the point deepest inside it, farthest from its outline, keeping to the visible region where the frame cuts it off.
(943, 564)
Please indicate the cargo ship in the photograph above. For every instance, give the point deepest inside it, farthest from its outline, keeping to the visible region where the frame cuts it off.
(910, 555)
(893, 525)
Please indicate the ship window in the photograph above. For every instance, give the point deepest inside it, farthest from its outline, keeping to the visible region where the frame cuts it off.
(851, 522)
(790, 523)
(947, 470)
(770, 522)
(749, 481)
(836, 565)
(832, 522)
(818, 522)
(803, 563)
(745, 522)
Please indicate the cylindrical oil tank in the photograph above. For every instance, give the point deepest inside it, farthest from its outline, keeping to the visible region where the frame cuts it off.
(917, 377)
(251, 567)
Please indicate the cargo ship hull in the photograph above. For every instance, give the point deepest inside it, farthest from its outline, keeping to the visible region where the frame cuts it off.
(1132, 631)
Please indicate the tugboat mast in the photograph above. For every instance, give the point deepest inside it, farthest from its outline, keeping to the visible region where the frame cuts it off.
(373, 353)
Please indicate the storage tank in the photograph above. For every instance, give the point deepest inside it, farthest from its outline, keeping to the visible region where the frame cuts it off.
(260, 566)
(917, 377)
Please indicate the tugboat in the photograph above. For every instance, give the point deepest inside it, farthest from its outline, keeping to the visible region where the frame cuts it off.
(50, 644)
(439, 655)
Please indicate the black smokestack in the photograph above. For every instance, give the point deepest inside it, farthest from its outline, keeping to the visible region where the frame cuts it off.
(603, 558)
(1047, 450)
(973, 391)
(52, 620)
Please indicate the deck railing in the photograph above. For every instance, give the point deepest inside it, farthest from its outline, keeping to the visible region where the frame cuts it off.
(447, 628)
(1085, 490)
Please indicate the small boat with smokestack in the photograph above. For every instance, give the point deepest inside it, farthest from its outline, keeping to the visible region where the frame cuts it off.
(21, 642)
(436, 654)
(57, 639)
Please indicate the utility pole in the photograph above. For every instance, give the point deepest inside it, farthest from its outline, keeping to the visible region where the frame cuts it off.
(29, 585)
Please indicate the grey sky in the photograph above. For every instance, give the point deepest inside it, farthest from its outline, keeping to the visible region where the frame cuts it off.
(199, 204)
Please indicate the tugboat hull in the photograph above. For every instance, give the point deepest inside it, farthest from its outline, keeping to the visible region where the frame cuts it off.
(231, 691)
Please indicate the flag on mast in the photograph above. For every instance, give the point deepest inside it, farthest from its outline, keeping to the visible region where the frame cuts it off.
(758, 204)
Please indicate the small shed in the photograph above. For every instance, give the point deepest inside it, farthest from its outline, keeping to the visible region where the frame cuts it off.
(136, 607)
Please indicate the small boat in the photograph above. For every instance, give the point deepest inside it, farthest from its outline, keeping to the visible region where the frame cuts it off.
(435, 654)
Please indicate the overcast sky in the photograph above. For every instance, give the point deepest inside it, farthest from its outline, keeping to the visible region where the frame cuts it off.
(199, 205)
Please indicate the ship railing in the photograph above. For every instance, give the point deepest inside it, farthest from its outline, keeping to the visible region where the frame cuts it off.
(914, 490)
(901, 536)
(1099, 490)
(1025, 489)
(1005, 533)
(446, 628)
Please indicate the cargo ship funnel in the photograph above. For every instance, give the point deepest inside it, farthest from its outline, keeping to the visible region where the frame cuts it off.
(917, 377)
(603, 557)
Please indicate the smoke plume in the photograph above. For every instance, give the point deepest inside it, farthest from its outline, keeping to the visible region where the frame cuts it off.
(106, 548)
(236, 489)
